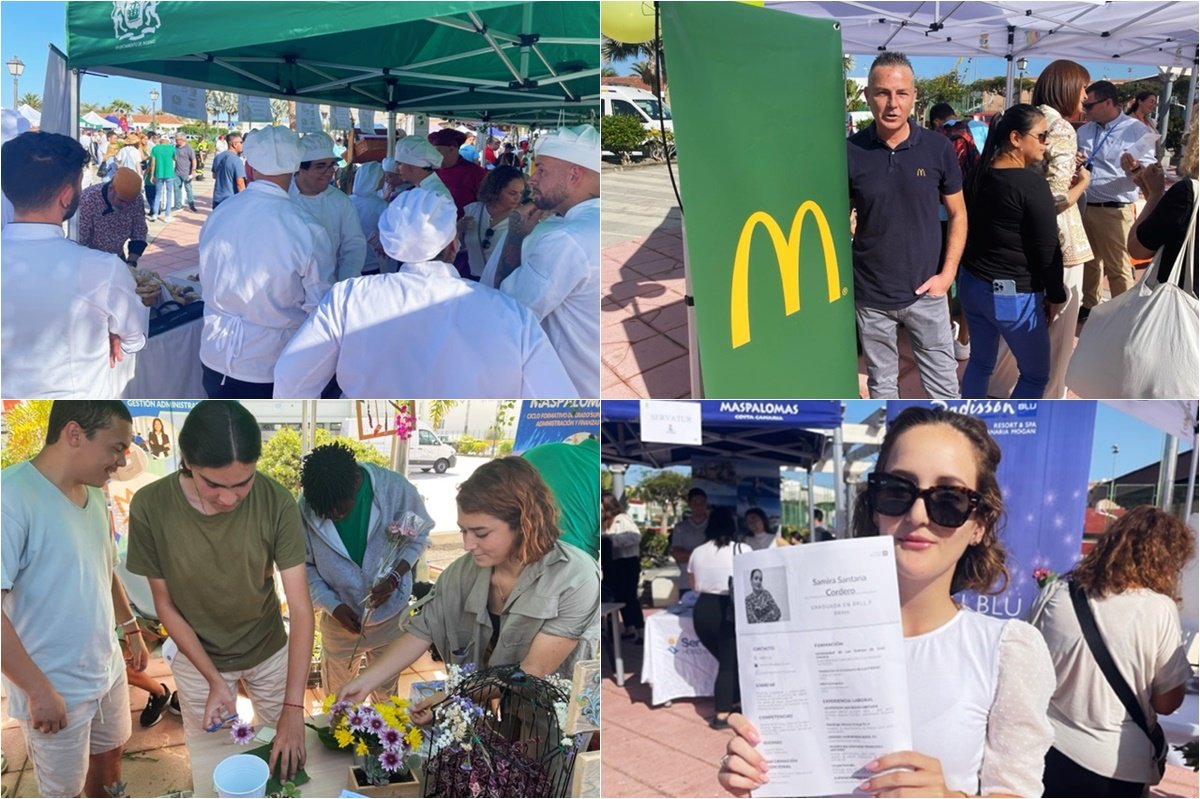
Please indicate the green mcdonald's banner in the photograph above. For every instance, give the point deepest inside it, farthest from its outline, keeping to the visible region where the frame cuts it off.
(758, 101)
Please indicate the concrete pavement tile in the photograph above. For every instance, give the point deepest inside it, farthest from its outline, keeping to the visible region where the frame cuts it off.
(631, 330)
(679, 335)
(656, 268)
(643, 356)
(621, 391)
(634, 288)
(612, 314)
(667, 317)
(609, 379)
(11, 779)
(671, 380)
(12, 742)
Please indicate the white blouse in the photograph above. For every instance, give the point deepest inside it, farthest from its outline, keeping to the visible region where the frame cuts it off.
(978, 689)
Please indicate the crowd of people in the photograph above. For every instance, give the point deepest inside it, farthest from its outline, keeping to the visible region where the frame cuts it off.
(209, 537)
(1029, 257)
(486, 278)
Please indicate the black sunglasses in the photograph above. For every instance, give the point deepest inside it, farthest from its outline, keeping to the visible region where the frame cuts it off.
(947, 506)
(487, 238)
(1087, 106)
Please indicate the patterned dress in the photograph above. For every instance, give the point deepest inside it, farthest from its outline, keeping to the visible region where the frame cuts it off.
(760, 606)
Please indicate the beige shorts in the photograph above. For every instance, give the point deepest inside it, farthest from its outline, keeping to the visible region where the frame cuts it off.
(60, 759)
(265, 684)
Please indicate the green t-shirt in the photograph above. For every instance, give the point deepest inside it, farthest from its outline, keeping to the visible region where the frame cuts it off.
(353, 528)
(164, 160)
(219, 569)
(572, 471)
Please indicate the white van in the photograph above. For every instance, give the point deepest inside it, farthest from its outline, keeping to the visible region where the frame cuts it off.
(425, 449)
(643, 106)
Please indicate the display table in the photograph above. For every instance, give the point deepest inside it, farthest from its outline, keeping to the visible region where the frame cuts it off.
(326, 768)
(168, 367)
(675, 663)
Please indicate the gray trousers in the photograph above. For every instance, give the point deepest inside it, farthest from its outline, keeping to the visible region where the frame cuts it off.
(928, 323)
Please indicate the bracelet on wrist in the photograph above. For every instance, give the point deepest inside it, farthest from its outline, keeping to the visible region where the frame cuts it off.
(128, 621)
(293, 704)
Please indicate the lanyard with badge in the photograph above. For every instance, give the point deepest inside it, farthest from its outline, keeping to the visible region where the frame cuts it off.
(1096, 147)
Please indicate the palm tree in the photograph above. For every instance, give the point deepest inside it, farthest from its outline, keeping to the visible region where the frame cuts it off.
(611, 50)
(279, 109)
(144, 110)
(218, 103)
(120, 106)
(607, 72)
(87, 108)
(32, 100)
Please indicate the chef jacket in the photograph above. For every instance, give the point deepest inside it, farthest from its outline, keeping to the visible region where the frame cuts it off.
(559, 280)
(265, 263)
(338, 216)
(425, 332)
(59, 305)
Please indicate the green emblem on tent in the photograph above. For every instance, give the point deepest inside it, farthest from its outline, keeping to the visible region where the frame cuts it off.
(134, 19)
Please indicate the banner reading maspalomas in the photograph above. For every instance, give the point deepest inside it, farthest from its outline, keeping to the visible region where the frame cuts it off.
(758, 101)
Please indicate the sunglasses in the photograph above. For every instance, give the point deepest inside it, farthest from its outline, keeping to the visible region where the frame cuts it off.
(1088, 106)
(947, 506)
(487, 238)
(1043, 137)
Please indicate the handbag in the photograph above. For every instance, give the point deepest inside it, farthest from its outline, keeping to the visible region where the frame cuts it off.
(1144, 343)
(1091, 634)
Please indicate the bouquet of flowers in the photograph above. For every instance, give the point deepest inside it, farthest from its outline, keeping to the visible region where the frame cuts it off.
(383, 734)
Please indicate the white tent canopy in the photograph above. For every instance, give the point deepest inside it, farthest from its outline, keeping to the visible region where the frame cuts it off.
(94, 120)
(1157, 34)
(30, 113)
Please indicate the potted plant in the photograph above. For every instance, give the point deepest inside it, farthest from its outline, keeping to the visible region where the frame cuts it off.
(382, 736)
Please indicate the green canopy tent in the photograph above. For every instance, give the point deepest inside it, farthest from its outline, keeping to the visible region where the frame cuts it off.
(528, 63)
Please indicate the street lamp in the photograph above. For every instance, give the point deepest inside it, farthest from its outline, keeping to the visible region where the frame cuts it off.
(1022, 65)
(153, 109)
(15, 67)
(1112, 486)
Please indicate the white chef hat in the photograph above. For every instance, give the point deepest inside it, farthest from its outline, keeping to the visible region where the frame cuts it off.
(14, 125)
(367, 178)
(418, 225)
(417, 151)
(316, 146)
(390, 165)
(273, 151)
(579, 145)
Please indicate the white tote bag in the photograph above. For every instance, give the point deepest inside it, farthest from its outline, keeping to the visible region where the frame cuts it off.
(1145, 343)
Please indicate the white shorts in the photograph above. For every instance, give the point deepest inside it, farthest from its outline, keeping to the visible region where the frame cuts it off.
(60, 760)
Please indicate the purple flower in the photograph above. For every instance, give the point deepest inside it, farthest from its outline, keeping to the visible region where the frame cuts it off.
(375, 723)
(242, 733)
(391, 761)
(339, 708)
(391, 739)
(357, 721)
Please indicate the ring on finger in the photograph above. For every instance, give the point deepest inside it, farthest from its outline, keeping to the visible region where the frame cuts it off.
(724, 762)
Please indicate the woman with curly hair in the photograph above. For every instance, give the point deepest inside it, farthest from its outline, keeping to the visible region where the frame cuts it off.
(978, 685)
(1131, 580)
(517, 596)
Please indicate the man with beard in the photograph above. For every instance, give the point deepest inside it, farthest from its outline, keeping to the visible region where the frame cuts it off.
(69, 313)
(556, 272)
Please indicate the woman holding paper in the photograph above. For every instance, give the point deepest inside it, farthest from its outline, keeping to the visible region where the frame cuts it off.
(978, 686)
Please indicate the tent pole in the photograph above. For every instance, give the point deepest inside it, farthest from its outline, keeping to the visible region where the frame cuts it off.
(1191, 485)
(1008, 70)
(1191, 93)
(1166, 472)
(841, 529)
(696, 380)
(73, 90)
(812, 522)
(1164, 102)
(391, 133)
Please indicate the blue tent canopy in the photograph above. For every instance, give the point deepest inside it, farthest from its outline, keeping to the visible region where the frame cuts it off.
(775, 430)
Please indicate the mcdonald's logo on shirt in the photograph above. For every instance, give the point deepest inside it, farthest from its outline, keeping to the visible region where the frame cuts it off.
(787, 254)
(920, 171)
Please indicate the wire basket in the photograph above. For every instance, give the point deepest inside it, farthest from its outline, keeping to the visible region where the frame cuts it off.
(500, 733)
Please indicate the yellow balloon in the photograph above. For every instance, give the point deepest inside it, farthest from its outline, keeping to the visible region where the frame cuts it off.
(752, 2)
(629, 21)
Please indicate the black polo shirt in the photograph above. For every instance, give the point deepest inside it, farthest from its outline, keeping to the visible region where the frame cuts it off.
(897, 193)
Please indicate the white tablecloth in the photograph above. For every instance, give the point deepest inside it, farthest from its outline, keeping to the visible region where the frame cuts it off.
(168, 367)
(675, 664)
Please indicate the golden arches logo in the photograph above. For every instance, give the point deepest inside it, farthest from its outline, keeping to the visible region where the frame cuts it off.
(787, 254)
(920, 171)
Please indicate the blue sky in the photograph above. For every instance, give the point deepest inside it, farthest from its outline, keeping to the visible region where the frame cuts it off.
(26, 30)
(1139, 443)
